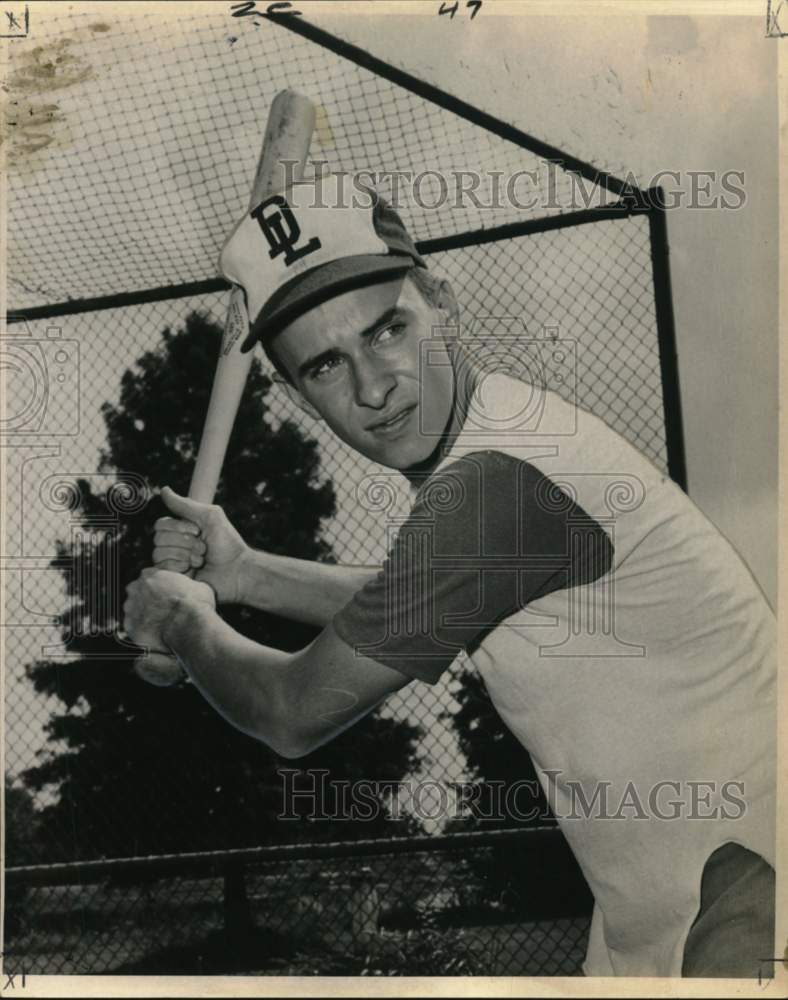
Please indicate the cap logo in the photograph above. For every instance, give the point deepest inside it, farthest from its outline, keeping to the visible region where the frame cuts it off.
(282, 231)
(301, 229)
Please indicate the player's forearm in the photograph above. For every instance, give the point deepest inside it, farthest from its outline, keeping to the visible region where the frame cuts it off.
(245, 682)
(300, 589)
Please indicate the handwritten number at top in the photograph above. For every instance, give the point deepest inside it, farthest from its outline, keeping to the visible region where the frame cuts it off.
(451, 8)
(249, 9)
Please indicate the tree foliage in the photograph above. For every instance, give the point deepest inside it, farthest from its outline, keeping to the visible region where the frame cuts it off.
(138, 769)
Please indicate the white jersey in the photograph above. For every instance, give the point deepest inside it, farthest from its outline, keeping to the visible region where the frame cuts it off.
(621, 639)
(661, 671)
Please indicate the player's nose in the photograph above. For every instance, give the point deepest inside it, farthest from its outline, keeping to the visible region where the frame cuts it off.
(372, 383)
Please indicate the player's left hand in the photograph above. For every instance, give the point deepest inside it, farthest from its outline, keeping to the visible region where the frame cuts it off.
(151, 601)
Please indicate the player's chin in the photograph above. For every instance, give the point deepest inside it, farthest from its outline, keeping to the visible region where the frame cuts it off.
(401, 454)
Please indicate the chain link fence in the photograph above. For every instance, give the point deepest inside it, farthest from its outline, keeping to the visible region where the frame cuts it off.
(406, 908)
(126, 199)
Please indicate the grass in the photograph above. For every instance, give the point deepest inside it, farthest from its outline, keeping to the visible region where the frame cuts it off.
(178, 928)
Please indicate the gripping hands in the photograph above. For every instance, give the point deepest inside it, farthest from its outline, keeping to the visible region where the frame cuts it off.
(200, 540)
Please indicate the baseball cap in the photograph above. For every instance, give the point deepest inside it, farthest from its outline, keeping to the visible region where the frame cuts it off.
(307, 244)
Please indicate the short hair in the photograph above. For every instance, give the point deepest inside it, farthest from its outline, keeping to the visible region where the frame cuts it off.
(427, 284)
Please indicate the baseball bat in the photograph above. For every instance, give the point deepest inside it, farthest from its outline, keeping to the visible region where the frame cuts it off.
(288, 133)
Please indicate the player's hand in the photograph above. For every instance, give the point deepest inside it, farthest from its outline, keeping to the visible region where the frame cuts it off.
(151, 601)
(200, 538)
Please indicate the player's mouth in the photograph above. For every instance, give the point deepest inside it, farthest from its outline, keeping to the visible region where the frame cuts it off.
(394, 424)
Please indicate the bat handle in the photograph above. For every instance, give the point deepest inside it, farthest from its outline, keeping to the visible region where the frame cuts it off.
(228, 386)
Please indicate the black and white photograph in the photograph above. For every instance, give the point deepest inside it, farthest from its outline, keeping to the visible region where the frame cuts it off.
(391, 498)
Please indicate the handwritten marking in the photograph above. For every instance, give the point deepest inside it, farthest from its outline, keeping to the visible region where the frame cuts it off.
(282, 7)
(763, 978)
(773, 11)
(10, 978)
(17, 22)
(249, 9)
(451, 9)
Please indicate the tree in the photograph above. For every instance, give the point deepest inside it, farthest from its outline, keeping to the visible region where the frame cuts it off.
(22, 847)
(22, 822)
(139, 769)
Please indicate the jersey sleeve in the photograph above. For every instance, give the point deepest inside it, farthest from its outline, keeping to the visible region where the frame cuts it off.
(487, 534)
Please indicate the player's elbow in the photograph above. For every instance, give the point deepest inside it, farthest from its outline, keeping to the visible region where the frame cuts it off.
(299, 740)
(282, 723)
(281, 740)
(292, 749)
(293, 744)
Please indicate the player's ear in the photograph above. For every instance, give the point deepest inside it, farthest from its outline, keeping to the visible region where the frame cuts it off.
(295, 396)
(447, 306)
(447, 302)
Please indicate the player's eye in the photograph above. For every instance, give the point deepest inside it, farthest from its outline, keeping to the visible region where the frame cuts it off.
(389, 333)
(325, 368)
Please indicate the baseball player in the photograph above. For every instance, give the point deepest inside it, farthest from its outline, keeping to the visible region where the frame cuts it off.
(619, 635)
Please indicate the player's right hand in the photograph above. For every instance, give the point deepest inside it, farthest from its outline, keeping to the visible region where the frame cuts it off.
(200, 539)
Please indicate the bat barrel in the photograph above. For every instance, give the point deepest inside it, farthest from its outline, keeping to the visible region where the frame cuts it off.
(288, 134)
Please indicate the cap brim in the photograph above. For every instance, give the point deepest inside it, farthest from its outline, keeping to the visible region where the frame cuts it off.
(314, 287)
